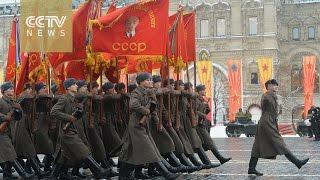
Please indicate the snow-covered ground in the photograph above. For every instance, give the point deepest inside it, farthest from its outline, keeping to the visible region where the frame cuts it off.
(220, 132)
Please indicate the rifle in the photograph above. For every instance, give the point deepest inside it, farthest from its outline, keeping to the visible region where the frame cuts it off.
(178, 121)
(4, 125)
(75, 113)
(194, 122)
(160, 111)
(169, 110)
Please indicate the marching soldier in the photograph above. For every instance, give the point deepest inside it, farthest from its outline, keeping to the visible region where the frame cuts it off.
(53, 128)
(190, 127)
(24, 143)
(110, 137)
(42, 142)
(160, 135)
(139, 147)
(202, 110)
(122, 105)
(181, 150)
(268, 142)
(9, 111)
(94, 129)
(72, 151)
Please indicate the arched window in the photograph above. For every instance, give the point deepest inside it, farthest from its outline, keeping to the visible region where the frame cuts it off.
(253, 73)
(252, 13)
(203, 20)
(296, 78)
(221, 17)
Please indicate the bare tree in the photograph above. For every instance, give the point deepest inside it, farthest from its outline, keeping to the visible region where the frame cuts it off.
(219, 94)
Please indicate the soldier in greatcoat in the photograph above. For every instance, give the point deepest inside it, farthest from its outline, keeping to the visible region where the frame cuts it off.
(9, 112)
(139, 147)
(168, 116)
(72, 151)
(42, 141)
(268, 142)
(24, 132)
(94, 128)
(191, 123)
(160, 135)
(202, 110)
(110, 136)
(122, 106)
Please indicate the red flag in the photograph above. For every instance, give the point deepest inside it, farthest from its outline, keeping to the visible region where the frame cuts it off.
(12, 53)
(177, 43)
(112, 8)
(309, 70)
(59, 77)
(80, 20)
(76, 69)
(190, 37)
(36, 68)
(234, 77)
(133, 30)
(24, 73)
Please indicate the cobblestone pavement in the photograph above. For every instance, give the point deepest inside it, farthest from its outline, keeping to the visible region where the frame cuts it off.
(240, 148)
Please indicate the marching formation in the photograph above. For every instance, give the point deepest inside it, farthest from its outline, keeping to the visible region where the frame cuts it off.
(158, 125)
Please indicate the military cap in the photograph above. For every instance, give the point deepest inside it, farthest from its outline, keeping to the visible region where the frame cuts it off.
(271, 81)
(106, 86)
(69, 82)
(6, 85)
(188, 85)
(156, 78)
(142, 77)
(39, 86)
(81, 83)
(200, 87)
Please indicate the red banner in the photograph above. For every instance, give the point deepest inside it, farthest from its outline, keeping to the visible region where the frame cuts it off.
(177, 52)
(137, 29)
(309, 70)
(80, 19)
(190, 36)
(234, 78)
(24, 74)
(12, 53)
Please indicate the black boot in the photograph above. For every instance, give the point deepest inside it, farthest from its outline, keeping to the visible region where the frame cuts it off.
(110, 160)
(165, 172)
(17, 166)
(138, 174)
(295, 160)
(64, 174)
(174, 161)
(36, 168)
(217, 154)
(7, 174)
(75, 172)
(169, 167)
(185, 161)
(205, 160)
(252, 167)
(56, 170)
(96, 170)
(106, 165)
(47, 161)
(197, 163)
(125, 172)
(28, 167)
(39, 162)
(152, 172)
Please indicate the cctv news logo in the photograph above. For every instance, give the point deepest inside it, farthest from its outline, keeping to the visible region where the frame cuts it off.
(46, 26)
(51, 25)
